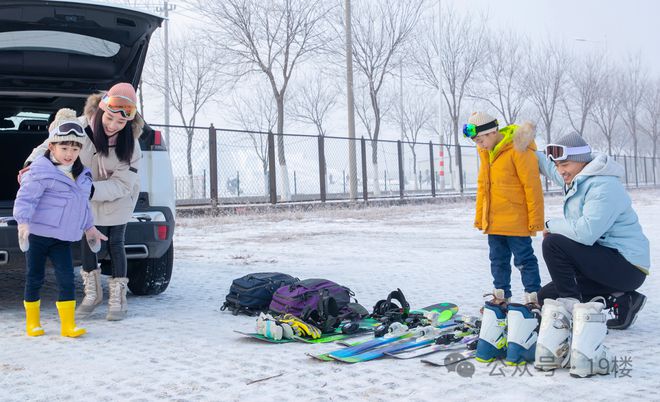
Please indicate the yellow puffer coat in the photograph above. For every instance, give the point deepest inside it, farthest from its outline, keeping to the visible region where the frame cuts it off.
(509, 192)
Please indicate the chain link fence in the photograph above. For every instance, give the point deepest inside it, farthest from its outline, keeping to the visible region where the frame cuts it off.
(220, 166)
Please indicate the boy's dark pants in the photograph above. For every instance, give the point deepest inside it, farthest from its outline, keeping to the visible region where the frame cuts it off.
(501, 249)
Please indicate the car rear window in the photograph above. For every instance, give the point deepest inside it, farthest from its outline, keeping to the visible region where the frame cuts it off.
(56, 41)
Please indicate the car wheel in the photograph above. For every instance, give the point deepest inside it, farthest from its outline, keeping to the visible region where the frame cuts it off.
(150, 276)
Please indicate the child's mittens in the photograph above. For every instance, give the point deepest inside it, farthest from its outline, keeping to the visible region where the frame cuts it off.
(94, 237)
(23, 234)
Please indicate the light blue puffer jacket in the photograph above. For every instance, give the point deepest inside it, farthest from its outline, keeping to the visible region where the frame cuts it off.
(597, 209)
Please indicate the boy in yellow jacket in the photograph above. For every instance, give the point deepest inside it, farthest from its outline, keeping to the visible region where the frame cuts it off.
(509, 211)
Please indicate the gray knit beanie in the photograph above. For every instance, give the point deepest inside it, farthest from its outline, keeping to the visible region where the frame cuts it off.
(574, 140)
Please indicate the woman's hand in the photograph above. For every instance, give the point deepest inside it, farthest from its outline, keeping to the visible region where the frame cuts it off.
(94, 237)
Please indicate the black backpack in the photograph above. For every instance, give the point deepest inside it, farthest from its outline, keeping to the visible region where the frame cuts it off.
(252, 293)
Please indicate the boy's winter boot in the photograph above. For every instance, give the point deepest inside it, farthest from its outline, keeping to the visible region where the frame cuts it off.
(93, 292)
(625, 308)
(532, 300)
(553, 347)
(117, 306)
(492, 336)
(588, 354)
(522, 333)
(67, 310)
(32, 320)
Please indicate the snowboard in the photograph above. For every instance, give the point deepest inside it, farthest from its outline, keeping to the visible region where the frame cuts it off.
(447, 310)
(451, 359)
(366, 326)
(412, 353)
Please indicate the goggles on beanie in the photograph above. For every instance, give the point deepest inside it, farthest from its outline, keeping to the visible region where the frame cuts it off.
(472, 130)
(557, 152)
(120, 104)
(67, 128)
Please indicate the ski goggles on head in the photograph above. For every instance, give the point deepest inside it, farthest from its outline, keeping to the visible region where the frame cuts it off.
(471, 131)
(120, 104)
(556, 152)
(67, 128)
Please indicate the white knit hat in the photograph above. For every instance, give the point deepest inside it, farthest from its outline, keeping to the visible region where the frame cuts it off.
(65, 127)
(481, 118)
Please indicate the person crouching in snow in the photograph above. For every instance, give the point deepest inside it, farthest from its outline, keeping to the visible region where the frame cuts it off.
(509, 210)
(598, 247)
(52, 210)
(597, 256)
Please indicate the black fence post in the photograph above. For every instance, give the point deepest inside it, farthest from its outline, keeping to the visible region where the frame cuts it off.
(625, 167)
(272, 187)
(363, 152)
(432, 171)
(646, 171)
(322, 168)
(238, 183)
(635, 165)
(399, 151)
(213, 165)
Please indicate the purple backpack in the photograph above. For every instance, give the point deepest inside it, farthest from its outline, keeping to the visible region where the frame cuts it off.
(308, 295)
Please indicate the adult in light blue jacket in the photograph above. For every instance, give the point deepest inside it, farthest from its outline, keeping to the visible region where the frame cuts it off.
(597, 248)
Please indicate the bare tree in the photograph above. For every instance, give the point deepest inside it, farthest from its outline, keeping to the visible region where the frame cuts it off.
(545, 82)
(313, 101)
(634, 90)
(194, 80)
(503, 75)
(414, 116)
(256, 114)
(585, 79)
(652, 126)
(450, 54)
(606, 108)
(271, 38)
(380, 31)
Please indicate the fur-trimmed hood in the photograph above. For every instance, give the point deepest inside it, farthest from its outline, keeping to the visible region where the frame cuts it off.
(524, 137)
(92, 105)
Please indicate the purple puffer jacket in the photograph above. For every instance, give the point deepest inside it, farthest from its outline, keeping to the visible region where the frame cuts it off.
(52, 204)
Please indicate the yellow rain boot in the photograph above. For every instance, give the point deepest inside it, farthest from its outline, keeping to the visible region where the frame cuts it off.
(67, 310)
(32, 322)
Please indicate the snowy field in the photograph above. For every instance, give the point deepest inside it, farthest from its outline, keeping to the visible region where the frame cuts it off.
(180, 346)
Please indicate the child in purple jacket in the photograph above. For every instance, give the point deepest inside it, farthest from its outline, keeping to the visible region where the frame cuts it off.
(52, 211)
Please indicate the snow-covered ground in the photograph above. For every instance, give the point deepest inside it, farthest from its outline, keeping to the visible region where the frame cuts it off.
(180, 346)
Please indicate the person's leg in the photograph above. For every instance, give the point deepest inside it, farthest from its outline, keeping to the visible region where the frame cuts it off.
(60, 256)
(36, 267)
(578, 270)
(500, 263)
(89, 259)
(549, 291)
(34, 279)
(117, 306)
(117, 251)
(91, 275)
(525, 260)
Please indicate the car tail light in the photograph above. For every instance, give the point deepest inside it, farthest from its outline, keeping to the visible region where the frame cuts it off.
(162, 232)
(158, 139)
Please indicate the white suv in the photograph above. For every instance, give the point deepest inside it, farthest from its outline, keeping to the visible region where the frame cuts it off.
(53, 54)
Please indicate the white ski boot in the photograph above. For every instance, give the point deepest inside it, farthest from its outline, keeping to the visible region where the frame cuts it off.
(522, 331)
(492, 336)
(553, 347)
(588, 354)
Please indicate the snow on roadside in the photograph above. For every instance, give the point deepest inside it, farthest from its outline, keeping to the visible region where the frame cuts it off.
(179, 346)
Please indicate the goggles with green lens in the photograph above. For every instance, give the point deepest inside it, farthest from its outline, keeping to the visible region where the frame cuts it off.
(472, 130)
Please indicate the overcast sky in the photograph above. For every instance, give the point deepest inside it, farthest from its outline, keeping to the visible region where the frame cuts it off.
(619, 28)
(615, 26)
